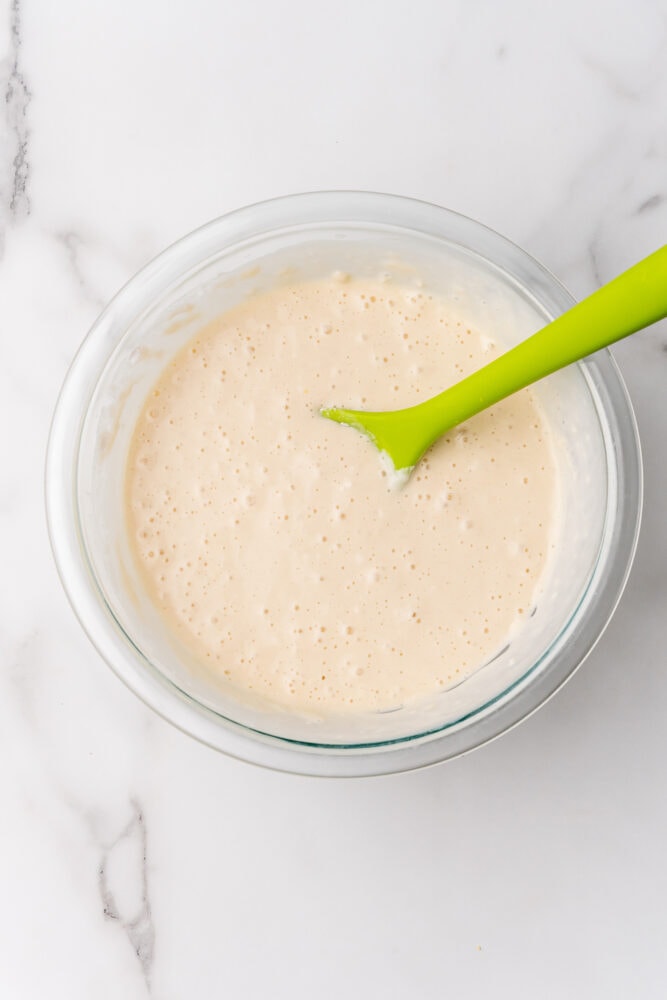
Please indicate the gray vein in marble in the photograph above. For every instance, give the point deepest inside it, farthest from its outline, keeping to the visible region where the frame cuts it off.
(73, 243)
(21, 673)
(611, 79)
(17, 100)
(650, 203)
(594, 213)
(138, 927)
(595, 263)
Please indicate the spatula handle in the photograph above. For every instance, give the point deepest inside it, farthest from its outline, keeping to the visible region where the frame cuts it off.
(633, 300)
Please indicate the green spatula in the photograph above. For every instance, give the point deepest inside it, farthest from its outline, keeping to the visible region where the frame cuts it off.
(634, 300)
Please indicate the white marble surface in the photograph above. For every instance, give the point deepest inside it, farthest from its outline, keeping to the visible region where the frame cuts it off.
(136, 863)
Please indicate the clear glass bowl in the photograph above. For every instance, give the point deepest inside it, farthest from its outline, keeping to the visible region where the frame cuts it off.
(211, 269)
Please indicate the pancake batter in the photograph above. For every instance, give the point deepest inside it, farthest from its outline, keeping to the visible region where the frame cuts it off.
(271, 539)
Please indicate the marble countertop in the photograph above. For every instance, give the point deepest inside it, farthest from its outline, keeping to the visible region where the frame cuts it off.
(135, 863)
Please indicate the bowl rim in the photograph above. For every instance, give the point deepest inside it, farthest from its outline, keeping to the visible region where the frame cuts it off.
(515, 703)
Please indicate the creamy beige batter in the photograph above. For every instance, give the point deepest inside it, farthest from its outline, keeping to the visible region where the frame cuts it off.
(271, 539)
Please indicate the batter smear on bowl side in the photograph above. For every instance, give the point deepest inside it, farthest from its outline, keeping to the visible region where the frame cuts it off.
(274, 543)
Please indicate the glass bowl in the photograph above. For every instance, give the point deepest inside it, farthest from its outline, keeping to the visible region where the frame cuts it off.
(306, 235)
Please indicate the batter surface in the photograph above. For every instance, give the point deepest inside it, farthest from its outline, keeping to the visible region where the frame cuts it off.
(271, 539)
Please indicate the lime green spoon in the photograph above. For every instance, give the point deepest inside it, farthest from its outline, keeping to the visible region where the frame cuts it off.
(635, 299)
